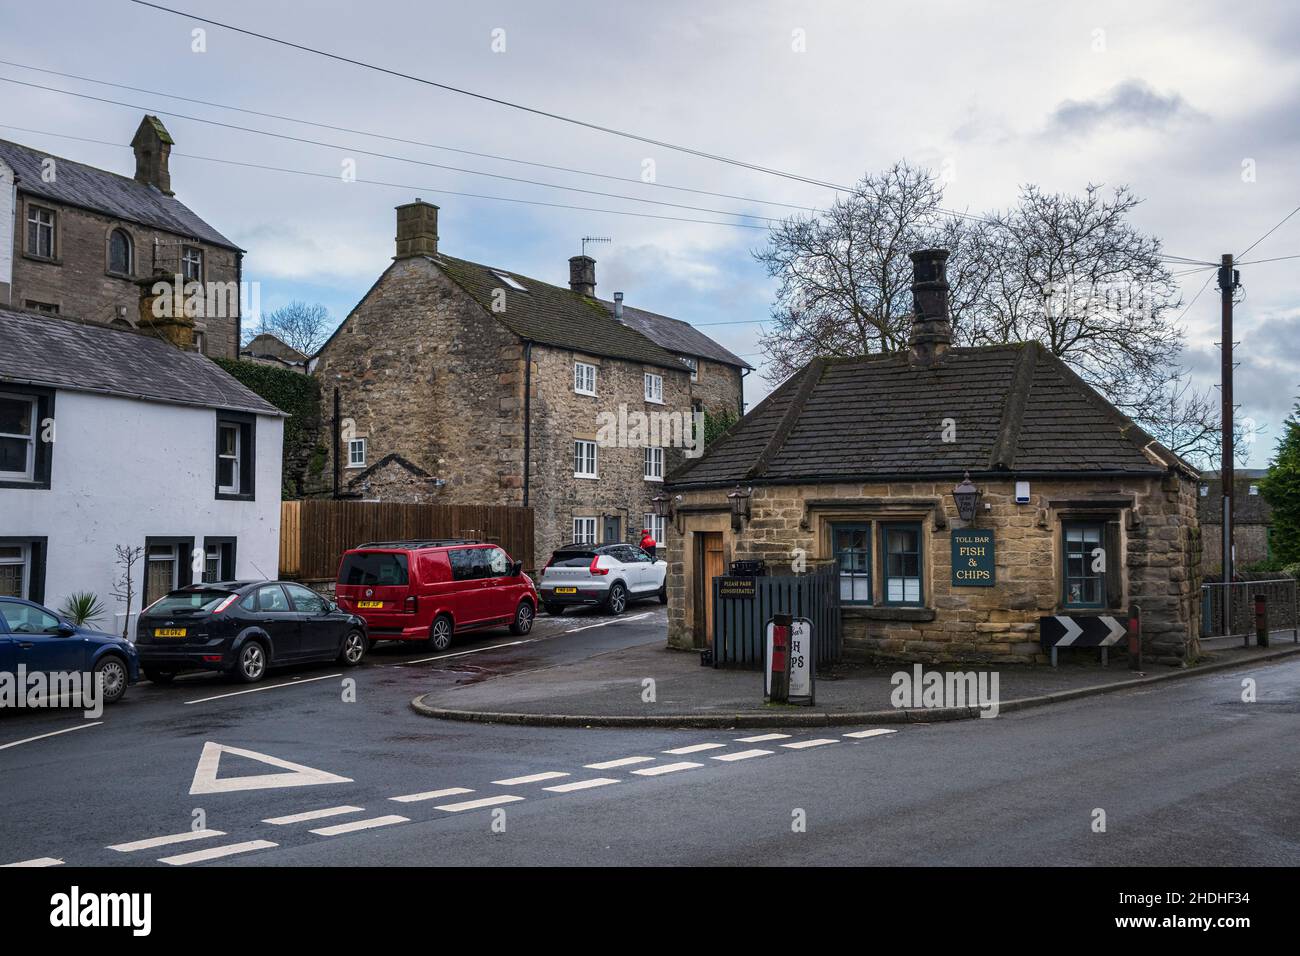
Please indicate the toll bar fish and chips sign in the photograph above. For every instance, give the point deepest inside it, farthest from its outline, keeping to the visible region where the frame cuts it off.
(973, 563)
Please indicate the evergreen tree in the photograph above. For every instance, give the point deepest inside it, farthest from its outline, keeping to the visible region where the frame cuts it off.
(1281, 489)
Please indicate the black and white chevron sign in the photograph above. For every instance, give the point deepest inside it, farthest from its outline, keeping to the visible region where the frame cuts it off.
(1066, 630)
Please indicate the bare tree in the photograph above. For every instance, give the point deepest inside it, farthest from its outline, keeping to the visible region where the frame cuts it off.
(124, 585)
(1189, 423)
(299, 325)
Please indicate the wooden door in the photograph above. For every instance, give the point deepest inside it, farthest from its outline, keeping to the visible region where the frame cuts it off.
(711, 565)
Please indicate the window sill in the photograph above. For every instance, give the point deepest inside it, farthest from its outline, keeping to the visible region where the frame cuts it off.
(587, 477)
(32, 484)
(588, 394)
(656, 480)
(49, 261)
(654, 401)
(242, 496)
(876, 612)
(119, 275)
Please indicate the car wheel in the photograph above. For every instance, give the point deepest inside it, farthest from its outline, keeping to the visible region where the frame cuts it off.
(112, 670)
(663, 593)
(440, 633)
(354, 649)
(616, 603)
(555, 610)
(523, 622)
(160, 677)
(250, 666)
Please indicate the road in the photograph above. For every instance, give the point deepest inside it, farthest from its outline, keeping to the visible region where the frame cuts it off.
(1185, 773)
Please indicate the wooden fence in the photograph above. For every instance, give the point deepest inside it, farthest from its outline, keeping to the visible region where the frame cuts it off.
(314, 533)
(739, 623)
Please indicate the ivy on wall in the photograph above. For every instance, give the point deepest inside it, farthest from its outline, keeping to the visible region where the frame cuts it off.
(299, 397)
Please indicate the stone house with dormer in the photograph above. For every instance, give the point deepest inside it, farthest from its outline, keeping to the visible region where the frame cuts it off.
(852, 464)
(462, 383)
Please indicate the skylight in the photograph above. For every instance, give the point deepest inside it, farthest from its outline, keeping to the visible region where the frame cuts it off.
(509, 280)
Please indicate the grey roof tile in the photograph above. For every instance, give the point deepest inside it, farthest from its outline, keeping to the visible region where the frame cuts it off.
(676, 335)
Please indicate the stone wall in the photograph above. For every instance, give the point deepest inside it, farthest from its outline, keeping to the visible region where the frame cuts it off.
(79, 283)
(1250, 540)
(1159, 543)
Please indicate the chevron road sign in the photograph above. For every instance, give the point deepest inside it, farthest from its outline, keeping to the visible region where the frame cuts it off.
(1067, 630)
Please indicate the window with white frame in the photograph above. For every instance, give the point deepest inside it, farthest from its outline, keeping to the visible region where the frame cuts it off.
(584, 530)
(584, 459)
(15, 570)
(40, 232)
(17, 437)
(693, 364)
(654, 464)
(357, 453)
(655, 525)
(584, 378)
(654, 388)
(509, 280)
(229, 453)
(192, 264)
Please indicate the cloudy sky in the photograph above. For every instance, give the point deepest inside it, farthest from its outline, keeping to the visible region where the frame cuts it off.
(1176, 100)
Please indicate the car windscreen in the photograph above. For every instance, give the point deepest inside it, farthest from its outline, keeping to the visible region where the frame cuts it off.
(180, 601)
(572, 558)
(371, 568)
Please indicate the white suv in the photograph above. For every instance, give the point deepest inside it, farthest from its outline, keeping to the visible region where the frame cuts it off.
(611, 575)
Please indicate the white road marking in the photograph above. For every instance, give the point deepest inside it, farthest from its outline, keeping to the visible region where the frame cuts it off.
(620, 762)
(168, 840)
(761, 737)
(861, 734)
(431, 795)
(476, 650)
(297, 682)
(801, 744)
(476, 804)
(368, 824)
(217, 852)
(52, 733)
(205, 774)
(39, 861)
(666, 768)
(582, 785)
(531, 778)
(693, 749)
(744, 754)
(311, 815)
(616, 620)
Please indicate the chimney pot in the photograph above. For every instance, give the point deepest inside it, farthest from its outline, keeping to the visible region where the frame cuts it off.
(931, 325)
(153, 146)
(618, 306)
(417, 230)
(582, 275)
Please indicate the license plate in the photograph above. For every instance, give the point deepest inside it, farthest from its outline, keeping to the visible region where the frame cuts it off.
(566, 590)
(169, 632)
(370, 604)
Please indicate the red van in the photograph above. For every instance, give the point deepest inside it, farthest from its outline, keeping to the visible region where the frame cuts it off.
(427, 590)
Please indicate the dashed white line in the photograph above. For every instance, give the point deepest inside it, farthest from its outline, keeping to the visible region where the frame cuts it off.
(744, 754)
(257, 690)
(431, 795)
(693, 749)
(620, 762)
(52, 733)
(39, 861)
(581, 785)
(862, 734)
(474, 650)
(762, 737)
(354, 825)
(666, 768)
(531, 778)
(167, 840)
(477, 804)
(803, 744)
(217, 852)
(311, 815)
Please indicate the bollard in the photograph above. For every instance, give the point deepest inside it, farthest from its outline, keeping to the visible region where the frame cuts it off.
(1261, 621)
(1134, 638)
(782, 624)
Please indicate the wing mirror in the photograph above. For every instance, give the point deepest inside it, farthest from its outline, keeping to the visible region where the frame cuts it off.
(516, 569)
(65, 629)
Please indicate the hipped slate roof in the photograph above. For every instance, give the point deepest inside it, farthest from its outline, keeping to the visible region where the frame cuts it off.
(1246, 508)
(101, 191)
(676, 335)
(552, 315)
(61, 353)
(1015, 408)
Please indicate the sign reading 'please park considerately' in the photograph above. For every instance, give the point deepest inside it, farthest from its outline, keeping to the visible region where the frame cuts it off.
(972, 558)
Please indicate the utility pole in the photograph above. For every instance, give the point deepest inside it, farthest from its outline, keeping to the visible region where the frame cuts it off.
(1227, 286)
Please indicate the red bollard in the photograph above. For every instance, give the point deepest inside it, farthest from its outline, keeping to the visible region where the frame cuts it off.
(1261, 621)
(1134, 638)
(781, 626)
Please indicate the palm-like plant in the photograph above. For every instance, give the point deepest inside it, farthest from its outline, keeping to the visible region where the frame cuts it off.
(82, 608)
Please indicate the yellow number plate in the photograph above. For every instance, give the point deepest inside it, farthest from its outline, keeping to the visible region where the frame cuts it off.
(369, 604)
(566, 590)
(169, 632)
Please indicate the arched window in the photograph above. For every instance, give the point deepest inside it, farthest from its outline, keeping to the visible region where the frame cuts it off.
(119, 252)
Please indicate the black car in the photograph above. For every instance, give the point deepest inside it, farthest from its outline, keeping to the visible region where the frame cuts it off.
(244, 627)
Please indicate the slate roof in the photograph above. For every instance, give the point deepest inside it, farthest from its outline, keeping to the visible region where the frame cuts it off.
(109, 193)
(1016, 408)
(555, 315)
(676, 335)
(61, 353)
(1246, 508)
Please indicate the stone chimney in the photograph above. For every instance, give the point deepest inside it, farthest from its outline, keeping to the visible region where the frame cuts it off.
(162, 312)
(417, 230)
(931, 327)
(582, 275)
(153, 145)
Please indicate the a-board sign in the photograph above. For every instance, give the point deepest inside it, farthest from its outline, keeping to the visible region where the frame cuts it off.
(793, 654)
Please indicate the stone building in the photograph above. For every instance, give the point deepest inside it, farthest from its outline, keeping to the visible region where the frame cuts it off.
(268, 349)
(1252, 520)
(461, 383)
(75, 240)
(852, 462)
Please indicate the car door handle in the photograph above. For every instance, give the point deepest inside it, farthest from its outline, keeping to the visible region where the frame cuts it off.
(25, 645)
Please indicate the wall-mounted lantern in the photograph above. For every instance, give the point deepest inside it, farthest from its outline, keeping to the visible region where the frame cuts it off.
(739, 501)
(967, 497)
(662, 506)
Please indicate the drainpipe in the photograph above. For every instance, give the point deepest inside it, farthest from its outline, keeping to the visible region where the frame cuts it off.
(239, 301)
(337, 442)
(528, 418)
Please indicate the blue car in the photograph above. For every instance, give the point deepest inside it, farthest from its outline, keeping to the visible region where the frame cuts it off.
(39, 639)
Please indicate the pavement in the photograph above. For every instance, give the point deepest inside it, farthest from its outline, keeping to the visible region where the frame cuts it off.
(647, 684)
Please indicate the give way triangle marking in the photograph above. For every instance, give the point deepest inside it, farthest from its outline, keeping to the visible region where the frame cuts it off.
(205, 774)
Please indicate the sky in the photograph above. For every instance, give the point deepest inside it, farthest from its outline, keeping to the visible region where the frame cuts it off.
(1191, 104)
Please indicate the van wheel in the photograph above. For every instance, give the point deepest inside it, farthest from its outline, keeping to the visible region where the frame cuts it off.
(523, 622)
(112, 670)
(440, 633)
(616, 603)
(553, 609)
(250, 666)
(354, 649)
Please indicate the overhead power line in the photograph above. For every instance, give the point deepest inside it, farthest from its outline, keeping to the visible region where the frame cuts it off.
(1269, 233)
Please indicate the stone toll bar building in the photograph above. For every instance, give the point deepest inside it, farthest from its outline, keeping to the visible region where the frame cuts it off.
(853, 462)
